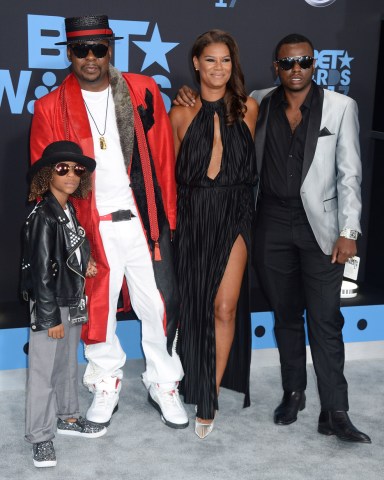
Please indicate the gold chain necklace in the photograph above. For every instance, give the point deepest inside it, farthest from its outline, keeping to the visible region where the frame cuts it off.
(103, 143)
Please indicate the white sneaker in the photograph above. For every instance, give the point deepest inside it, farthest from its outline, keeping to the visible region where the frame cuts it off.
(165, 398)
(105, 401)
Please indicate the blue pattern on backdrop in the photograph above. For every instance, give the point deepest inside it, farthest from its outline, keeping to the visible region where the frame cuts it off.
(362, 324)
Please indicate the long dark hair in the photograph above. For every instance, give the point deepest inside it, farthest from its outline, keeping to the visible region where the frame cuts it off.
(235, 95)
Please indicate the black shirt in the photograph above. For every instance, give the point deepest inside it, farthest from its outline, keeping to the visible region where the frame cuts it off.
(284, 150)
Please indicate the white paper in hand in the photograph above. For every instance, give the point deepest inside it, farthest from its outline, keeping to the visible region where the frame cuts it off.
(351, 268)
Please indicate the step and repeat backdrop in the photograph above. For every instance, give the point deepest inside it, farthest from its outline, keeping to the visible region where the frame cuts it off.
(157, 36)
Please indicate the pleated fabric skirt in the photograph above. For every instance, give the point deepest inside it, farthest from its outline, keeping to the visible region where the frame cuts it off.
(210, 219)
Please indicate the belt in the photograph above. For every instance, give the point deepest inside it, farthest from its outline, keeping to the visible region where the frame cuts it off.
(119, 216)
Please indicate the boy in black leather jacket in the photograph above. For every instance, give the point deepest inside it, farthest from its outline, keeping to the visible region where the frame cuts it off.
(56, 259)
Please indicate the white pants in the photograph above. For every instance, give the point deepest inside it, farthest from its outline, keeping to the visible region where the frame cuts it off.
(127, 253)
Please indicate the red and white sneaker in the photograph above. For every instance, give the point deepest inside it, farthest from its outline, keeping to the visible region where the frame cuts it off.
(164, 397)
(105, 401)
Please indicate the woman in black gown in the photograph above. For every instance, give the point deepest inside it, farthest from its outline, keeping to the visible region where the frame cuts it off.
(215, 172)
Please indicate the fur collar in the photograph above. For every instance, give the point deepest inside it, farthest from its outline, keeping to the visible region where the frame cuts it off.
(124, 112)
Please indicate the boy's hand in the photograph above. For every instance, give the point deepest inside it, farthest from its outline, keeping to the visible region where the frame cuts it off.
(91, 268)
(56, 332)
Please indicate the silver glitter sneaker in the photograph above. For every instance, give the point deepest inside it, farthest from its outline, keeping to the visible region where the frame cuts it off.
(81, 428)
(44, 454)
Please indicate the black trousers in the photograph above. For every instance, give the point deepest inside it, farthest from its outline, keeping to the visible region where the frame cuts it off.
(296, 275)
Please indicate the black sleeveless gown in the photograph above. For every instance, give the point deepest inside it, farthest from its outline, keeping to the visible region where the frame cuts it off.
(211, 215)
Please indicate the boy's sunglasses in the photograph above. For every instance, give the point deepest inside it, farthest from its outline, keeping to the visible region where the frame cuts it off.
(287, 63)
(63, 169)
(81, 50)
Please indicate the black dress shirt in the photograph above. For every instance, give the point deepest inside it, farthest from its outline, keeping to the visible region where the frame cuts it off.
(284, 149)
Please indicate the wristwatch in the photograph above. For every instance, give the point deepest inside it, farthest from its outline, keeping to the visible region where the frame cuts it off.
(349, 233)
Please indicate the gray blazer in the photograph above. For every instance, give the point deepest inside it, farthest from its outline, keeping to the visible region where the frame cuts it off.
(331, 178)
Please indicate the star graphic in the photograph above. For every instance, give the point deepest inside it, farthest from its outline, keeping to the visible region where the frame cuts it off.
(155, 50)
(346, 60)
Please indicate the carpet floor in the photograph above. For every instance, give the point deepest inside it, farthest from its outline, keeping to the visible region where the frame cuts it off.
(245, 443)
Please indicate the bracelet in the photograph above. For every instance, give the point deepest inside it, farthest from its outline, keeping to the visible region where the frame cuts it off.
(349, 233)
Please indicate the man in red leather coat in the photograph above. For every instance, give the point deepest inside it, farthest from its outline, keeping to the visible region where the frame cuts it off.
(120, 121)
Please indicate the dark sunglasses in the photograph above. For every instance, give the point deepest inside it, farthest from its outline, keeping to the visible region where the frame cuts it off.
(288, 63)
(63, 169)
(81, 50)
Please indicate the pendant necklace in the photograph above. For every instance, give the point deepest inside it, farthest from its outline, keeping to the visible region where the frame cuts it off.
(103, 143)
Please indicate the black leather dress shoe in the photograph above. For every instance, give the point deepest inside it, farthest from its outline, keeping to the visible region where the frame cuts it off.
(286, 412)
(339, 424)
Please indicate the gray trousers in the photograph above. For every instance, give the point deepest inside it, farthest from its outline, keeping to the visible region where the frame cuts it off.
(52, 387)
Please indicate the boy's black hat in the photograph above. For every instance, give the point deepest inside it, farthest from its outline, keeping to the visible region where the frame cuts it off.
(87, 29)
(62, 151)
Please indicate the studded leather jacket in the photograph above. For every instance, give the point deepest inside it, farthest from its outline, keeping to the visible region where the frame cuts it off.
(51, 276)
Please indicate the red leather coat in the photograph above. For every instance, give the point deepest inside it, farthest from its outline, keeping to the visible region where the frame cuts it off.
(48, 125)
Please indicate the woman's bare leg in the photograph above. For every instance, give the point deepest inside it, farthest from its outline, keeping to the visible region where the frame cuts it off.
(225, 307)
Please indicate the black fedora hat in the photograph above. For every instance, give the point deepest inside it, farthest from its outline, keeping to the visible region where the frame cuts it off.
(61, 151)
(88, 28)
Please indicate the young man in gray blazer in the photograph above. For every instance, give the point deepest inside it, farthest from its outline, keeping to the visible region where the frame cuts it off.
(308, 155)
